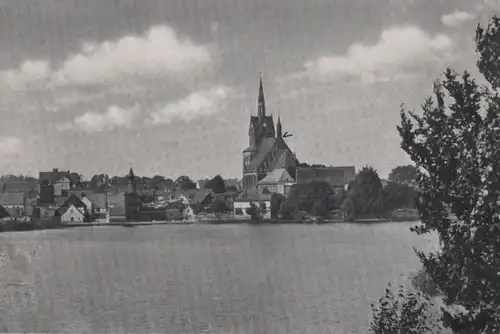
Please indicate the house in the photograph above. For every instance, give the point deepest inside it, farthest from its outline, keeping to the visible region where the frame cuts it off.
(14, 203)
(61, 180)
(96, 202)
(278, 181)
(3, 213)
(73, 214)
(72, 210)
(245, 200)
(337, 177)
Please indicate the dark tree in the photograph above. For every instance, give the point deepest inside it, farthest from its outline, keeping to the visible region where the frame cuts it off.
(400, 196)
(254, 212)
(315, 197)
(454, 143)
(184, 182)
(277, 201)
(366, 195)
(403, 174)
(217, 185)
(219, 205)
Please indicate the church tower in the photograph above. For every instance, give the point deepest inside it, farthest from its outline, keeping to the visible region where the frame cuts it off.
(131, 186)
(279, 131)
(261, 113)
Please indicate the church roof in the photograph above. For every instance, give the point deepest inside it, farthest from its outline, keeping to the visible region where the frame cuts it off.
(260, 124)
(276, 176)
(284, 160)
(263, 150)
(335, 176)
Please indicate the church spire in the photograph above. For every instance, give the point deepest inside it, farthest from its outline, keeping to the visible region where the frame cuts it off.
(279, 132)
(131, 186)
(261, 102)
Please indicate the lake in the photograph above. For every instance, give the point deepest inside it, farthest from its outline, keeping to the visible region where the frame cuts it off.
(203, 278)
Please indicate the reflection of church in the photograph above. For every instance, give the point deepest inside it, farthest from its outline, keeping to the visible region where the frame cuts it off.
(268, 163)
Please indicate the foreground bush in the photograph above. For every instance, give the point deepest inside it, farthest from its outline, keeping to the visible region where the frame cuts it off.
(405, 312)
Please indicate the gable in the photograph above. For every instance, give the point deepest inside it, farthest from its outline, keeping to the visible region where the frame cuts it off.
(63, 180)
(72, 210)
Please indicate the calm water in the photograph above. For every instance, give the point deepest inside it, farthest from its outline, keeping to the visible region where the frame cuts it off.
(202, 278)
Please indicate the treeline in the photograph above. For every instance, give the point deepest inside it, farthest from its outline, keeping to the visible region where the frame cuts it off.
(365, 197)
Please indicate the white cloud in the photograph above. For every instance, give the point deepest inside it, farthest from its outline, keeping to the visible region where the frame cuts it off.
(30, 72)
(90, 122)
(397, 50)
(158, 52)
(456, 18)
(196, 104)
(11, 146)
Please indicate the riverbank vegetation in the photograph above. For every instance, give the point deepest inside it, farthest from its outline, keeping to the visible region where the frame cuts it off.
(365, 198)
(454, 142)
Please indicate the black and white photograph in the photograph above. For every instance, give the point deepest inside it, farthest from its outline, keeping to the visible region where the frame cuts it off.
(250, 166)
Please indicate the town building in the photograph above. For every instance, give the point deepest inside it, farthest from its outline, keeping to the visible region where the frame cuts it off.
(73, 210)
(270, 166)
(61, 180)
(14, 203)
(267, 149)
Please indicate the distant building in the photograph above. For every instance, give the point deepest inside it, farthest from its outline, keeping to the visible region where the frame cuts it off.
(337, 177)
(61, 180)
(267, 149)
(72, 210)
(14, 203)
(278, 181)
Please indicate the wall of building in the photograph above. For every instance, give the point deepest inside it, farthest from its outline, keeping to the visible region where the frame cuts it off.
(245, 205)
(72, 214)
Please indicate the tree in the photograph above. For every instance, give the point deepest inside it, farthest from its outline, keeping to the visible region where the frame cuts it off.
(316, 197)
(219, 205)
(277, 201)
(366, 195)
(217, 185)
(454, 144)
(184, 182)
(403, 174)
(400, 196)
(253, 212)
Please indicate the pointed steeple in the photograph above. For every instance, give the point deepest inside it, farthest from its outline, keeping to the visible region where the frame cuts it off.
(279, 132)
(260, 101)
(131, 187)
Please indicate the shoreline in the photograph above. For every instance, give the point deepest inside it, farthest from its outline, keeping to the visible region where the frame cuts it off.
(26, 227)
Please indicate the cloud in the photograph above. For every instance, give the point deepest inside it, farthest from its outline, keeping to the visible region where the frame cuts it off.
(91, 122)
(158, 52)
(29, 72)
(196, 104)
(11, 146)
(398, 49)
(456, 18)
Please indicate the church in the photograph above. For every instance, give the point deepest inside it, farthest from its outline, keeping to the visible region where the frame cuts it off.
(270, 166)
(268, 162)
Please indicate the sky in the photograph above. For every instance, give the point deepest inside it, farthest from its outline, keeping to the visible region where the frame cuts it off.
(168, 86)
